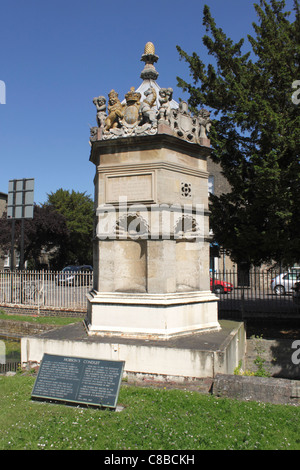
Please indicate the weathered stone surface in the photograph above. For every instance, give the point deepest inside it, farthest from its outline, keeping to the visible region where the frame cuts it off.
(11, 327)
(261, 389)
(276, 354)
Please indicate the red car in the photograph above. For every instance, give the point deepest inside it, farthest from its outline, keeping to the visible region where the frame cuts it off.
(220, 287)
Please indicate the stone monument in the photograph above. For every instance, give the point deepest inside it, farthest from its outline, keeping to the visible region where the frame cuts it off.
(151, 305)
(151, 245)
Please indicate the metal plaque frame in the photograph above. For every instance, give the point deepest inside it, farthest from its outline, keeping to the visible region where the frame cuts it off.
(79, 380)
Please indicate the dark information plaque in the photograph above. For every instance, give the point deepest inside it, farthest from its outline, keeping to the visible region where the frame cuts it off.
(79, 380)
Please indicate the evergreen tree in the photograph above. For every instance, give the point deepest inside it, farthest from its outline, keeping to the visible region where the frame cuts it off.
(255, 133)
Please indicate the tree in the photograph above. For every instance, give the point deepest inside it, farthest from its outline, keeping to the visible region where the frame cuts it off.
(46, 231)
(78, 210)
(255, 133)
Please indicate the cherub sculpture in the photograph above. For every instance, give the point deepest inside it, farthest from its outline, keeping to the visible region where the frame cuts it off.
(204, 122)
(147, 112)
(165, 97)
(100, 103)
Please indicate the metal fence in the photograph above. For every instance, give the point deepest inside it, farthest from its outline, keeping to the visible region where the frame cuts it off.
(241, 294)
(257, 292)
(45, 289)
(10, 367)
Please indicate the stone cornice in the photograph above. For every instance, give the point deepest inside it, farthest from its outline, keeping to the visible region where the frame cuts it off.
(157, 141)
(160, 165)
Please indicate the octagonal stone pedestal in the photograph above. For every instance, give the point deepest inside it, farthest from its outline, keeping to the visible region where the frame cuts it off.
(151, 247)
(151, 315)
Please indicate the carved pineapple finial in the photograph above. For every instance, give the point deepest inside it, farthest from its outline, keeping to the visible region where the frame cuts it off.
(149, 48)
(149, 57)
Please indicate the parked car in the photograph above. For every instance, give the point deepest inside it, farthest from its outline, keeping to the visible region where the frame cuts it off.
(220, 287)
(284, 283)
(71, 275)
(296, 294)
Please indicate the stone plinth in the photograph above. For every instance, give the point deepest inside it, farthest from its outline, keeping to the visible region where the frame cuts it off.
(160, 316)
(178, 359)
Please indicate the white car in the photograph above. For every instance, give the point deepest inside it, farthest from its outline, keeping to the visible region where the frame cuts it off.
(284, 283)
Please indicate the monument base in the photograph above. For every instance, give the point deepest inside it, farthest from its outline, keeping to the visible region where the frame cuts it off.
(185, 358)
(151, 316)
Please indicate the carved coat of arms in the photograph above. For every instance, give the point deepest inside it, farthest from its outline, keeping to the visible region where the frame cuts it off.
(183, 123)
(131, 110)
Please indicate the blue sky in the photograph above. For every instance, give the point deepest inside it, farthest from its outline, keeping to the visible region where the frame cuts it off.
(56, 56)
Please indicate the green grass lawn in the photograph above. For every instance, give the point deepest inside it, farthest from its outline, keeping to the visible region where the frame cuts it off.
(55, 320)
(152, 419)
(12, 348)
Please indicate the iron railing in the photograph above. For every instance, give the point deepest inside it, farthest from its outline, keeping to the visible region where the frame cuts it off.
(256, 292)
(242, 292)
(10, 367)
(45, 288)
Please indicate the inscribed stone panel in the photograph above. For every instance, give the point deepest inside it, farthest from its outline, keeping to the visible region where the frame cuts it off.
(136, 187)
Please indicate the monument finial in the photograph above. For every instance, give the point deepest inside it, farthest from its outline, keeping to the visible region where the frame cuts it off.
(149, 48)
(149, 57)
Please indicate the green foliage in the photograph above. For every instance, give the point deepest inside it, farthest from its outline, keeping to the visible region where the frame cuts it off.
(63, 228)
(239, 371)
(259, 362)
(152, 419)
(78, 210)
(47, 232)
(255, 132)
